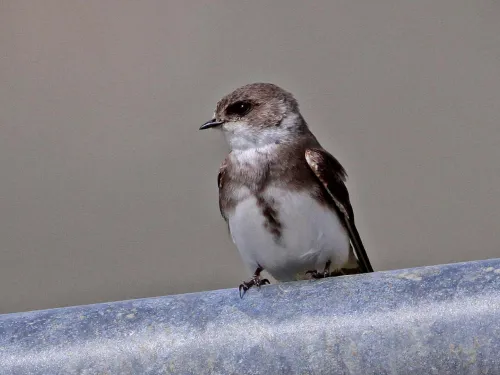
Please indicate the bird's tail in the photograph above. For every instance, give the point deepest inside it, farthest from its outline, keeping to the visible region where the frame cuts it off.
(359, 249)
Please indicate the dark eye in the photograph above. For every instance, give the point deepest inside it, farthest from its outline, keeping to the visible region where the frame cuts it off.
(239, 108)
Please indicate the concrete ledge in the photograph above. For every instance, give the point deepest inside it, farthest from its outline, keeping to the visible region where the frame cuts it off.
(430, 320)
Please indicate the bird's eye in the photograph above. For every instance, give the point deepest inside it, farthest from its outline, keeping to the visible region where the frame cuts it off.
(239, 108)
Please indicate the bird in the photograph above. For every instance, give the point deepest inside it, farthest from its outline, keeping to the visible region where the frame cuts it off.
(282, 195)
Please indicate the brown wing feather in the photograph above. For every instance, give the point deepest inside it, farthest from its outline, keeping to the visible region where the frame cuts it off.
(332, 176)
(220, 184)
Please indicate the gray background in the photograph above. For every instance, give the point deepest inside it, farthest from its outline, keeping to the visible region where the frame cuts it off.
(108, 190)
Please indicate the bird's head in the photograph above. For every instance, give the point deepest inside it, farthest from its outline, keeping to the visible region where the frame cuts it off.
(257, 115)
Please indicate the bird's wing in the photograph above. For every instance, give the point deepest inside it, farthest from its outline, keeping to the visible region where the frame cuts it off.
(332, 176)
(220, 184)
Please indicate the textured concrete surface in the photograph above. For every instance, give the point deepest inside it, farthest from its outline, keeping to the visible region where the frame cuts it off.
(431, 320)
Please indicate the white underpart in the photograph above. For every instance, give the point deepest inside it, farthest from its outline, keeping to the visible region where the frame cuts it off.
(311, 234)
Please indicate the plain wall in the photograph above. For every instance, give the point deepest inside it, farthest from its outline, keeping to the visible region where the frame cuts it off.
(108, 190)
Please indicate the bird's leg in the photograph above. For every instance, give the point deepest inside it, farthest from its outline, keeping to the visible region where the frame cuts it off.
(326, 272)
(346, 271)
(254, 281)
(336, 272)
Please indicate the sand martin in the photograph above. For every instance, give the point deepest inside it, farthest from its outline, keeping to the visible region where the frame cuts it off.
(282, 195)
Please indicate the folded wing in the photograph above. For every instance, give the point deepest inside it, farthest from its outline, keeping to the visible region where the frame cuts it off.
(332, 176)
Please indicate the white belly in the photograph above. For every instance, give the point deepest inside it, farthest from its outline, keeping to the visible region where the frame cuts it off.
(311, 234)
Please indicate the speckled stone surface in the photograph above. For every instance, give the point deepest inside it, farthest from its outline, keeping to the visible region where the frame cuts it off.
(431, 320)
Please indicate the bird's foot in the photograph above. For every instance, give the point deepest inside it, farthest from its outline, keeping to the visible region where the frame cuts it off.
(347, 271)
(321, 275)
(254, 281)
(318, 275)
(336, 272)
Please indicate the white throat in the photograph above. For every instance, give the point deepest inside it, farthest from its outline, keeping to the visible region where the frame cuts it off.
(241, 136)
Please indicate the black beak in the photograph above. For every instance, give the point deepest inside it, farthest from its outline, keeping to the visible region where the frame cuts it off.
(211, 124)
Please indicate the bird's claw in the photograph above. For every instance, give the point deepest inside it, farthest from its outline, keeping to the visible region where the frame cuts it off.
(326, 272)
(336, 272)
(255, 281)
(318, 275)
